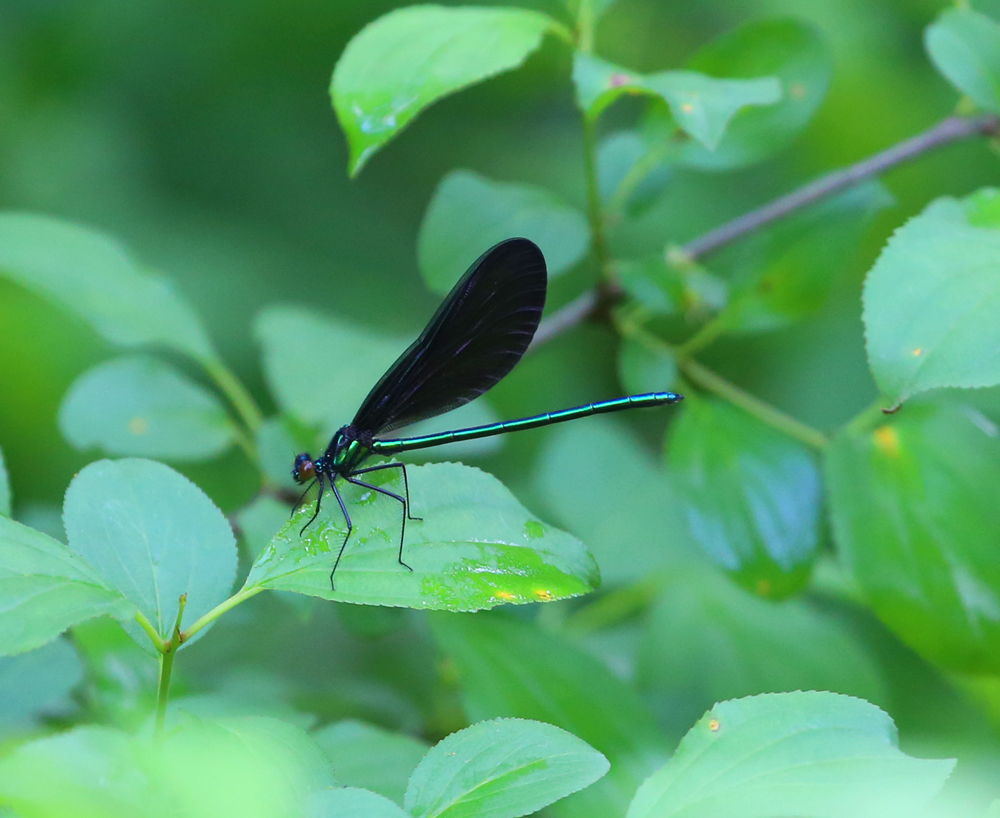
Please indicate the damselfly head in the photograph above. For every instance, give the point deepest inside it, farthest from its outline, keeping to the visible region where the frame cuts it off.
(304, 469)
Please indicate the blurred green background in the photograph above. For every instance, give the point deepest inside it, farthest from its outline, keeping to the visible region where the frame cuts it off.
(201, 135)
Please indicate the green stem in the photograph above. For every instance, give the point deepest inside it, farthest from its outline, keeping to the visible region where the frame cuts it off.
(563, 33)
(242, 596)
(709, 331)
(233, 388)
(147, 626)
(868, 417)
(166, 669)
(636, 174)
(585, 27)
(707, 379)
(594, 214)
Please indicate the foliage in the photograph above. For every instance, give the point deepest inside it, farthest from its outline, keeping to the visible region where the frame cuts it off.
(796, 565)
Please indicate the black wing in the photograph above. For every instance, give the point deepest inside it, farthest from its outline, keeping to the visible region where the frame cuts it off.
(474, 339)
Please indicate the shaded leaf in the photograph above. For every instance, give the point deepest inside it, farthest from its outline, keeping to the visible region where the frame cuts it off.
(645, 366)
(279, 439)
(708, 640)
(45, 588)
(121, 679)
(658, 288)
(964, 46)
(503, 768)
(751, 495)
(469, 213)
(371, 757)
(258, 523)
(154, 535)
(631, 173)
(320, 370)
(142, 406)
(92, 276)
(409, 58)
(630, 522)
(86, 771)
(37, 683)
(787, 272)
(351, 802)
(790, 50)
(815, 755)
(476, 547)
(931, 302)
(511, 668)
(4, 488)
(913, 505)
(250, 766)
(701, 105)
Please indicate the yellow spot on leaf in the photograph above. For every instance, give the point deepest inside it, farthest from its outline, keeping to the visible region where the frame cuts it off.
(887, 440)
(714, 725)
(544, 594)
(687, 108)
(505, 595)
(918, 352)
(138, 426)
(797, 90)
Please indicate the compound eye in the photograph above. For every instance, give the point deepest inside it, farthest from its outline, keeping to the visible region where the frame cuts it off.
(304, 469)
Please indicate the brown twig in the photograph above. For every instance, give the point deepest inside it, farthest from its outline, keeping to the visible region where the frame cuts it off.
(945, 132)
(949, 130)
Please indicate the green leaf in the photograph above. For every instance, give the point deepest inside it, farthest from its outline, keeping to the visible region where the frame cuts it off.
(279, 439)
(93, 277)
(476, 547)
(930, 304)
(701, 105)
(258, 523)
(787, 272)
(790, 50)
(320, 370)
(250, 766)
(470, 213)
(964, 46)
(411, 57)
(45, 588)
(87, 771)
(751, 495)
(644, 366)
(37, 683)
(913, 505)
(4, 488)
(325, 387)
(370, 757)
(631, 523)
(142, 406)
(350, 802)
(708, 640)
(631, 174)
(502, 768)
(511, 668)
(803, 754)
(658, 288)
(154, 535)
(121, 679)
